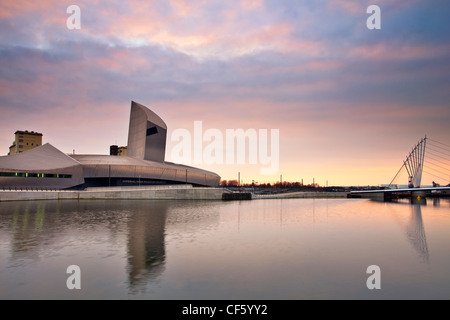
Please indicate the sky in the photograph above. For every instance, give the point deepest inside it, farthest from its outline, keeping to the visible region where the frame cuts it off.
(349, 102)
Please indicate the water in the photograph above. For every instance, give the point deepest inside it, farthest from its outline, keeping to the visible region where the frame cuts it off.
(261, 249)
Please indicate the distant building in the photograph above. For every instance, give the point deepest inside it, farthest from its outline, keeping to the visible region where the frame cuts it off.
(25, 140)
(114, 150)
(122, 151)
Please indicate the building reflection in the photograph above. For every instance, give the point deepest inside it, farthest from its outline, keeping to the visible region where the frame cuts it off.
(136, 229)
(146, 243)
(38, 227)
(28, 225)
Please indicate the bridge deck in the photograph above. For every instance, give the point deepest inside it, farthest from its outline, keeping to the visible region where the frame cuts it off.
(402, 190)
(389, 194)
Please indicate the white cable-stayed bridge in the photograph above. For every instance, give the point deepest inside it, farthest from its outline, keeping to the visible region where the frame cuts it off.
(429, 158)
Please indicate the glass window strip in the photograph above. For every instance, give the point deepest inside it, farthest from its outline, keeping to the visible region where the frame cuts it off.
(35, 175)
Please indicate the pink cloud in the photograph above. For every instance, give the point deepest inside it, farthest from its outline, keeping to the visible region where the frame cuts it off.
(251, 4)
(350, 6)
(10, 9)
(386, 51)
(323, 65)
(183, 8)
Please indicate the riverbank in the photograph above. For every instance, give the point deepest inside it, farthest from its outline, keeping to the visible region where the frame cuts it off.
(170, 192)
(302, 194)
(173, 192)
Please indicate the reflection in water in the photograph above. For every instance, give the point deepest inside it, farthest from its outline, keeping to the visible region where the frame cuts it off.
(146, 250)
(37, 228)
(262, 249)
(436, 202)
(45, 229)
(416, 232)
(28, 226)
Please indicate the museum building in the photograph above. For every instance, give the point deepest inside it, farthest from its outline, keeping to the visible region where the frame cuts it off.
(46, 167)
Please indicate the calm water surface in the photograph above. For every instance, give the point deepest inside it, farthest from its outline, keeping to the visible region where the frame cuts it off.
(260, 249)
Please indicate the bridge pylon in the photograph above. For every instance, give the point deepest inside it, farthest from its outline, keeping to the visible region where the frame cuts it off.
(414, 164)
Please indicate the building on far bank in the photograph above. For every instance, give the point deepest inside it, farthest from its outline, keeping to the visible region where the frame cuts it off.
(25, 140)
(122, 151)
(115, 150)
(49, 168)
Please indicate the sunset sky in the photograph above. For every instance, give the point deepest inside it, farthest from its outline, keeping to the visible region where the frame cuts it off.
(350, 103)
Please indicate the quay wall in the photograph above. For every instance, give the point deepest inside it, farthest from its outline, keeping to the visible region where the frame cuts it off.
(175, 192)
(306, 195)
(148, 193)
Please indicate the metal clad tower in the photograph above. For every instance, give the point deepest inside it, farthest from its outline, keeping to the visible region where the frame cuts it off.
(147, 134)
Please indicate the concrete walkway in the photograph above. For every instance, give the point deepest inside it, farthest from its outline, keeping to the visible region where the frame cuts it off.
(309, 195)
(175, 192)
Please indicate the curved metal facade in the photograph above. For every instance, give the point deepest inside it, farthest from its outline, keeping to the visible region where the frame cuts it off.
(114, 170)
(147, 134)
(42, 167)
(47, 167)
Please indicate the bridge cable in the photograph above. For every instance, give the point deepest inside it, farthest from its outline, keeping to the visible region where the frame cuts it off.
(440, 147)
(397, 174)
(436, 176)
(439, 142)
(432, 162)
(444, 173)
(437, 160)
(448, 154)
(436, 155)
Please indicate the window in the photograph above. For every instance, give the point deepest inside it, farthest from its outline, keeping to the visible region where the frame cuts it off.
(20, 140)
(7, 174)
(152, 130)
(35, 175)
(20, 146)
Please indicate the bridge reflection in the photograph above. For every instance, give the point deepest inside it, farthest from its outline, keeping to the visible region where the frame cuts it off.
(415, 232)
